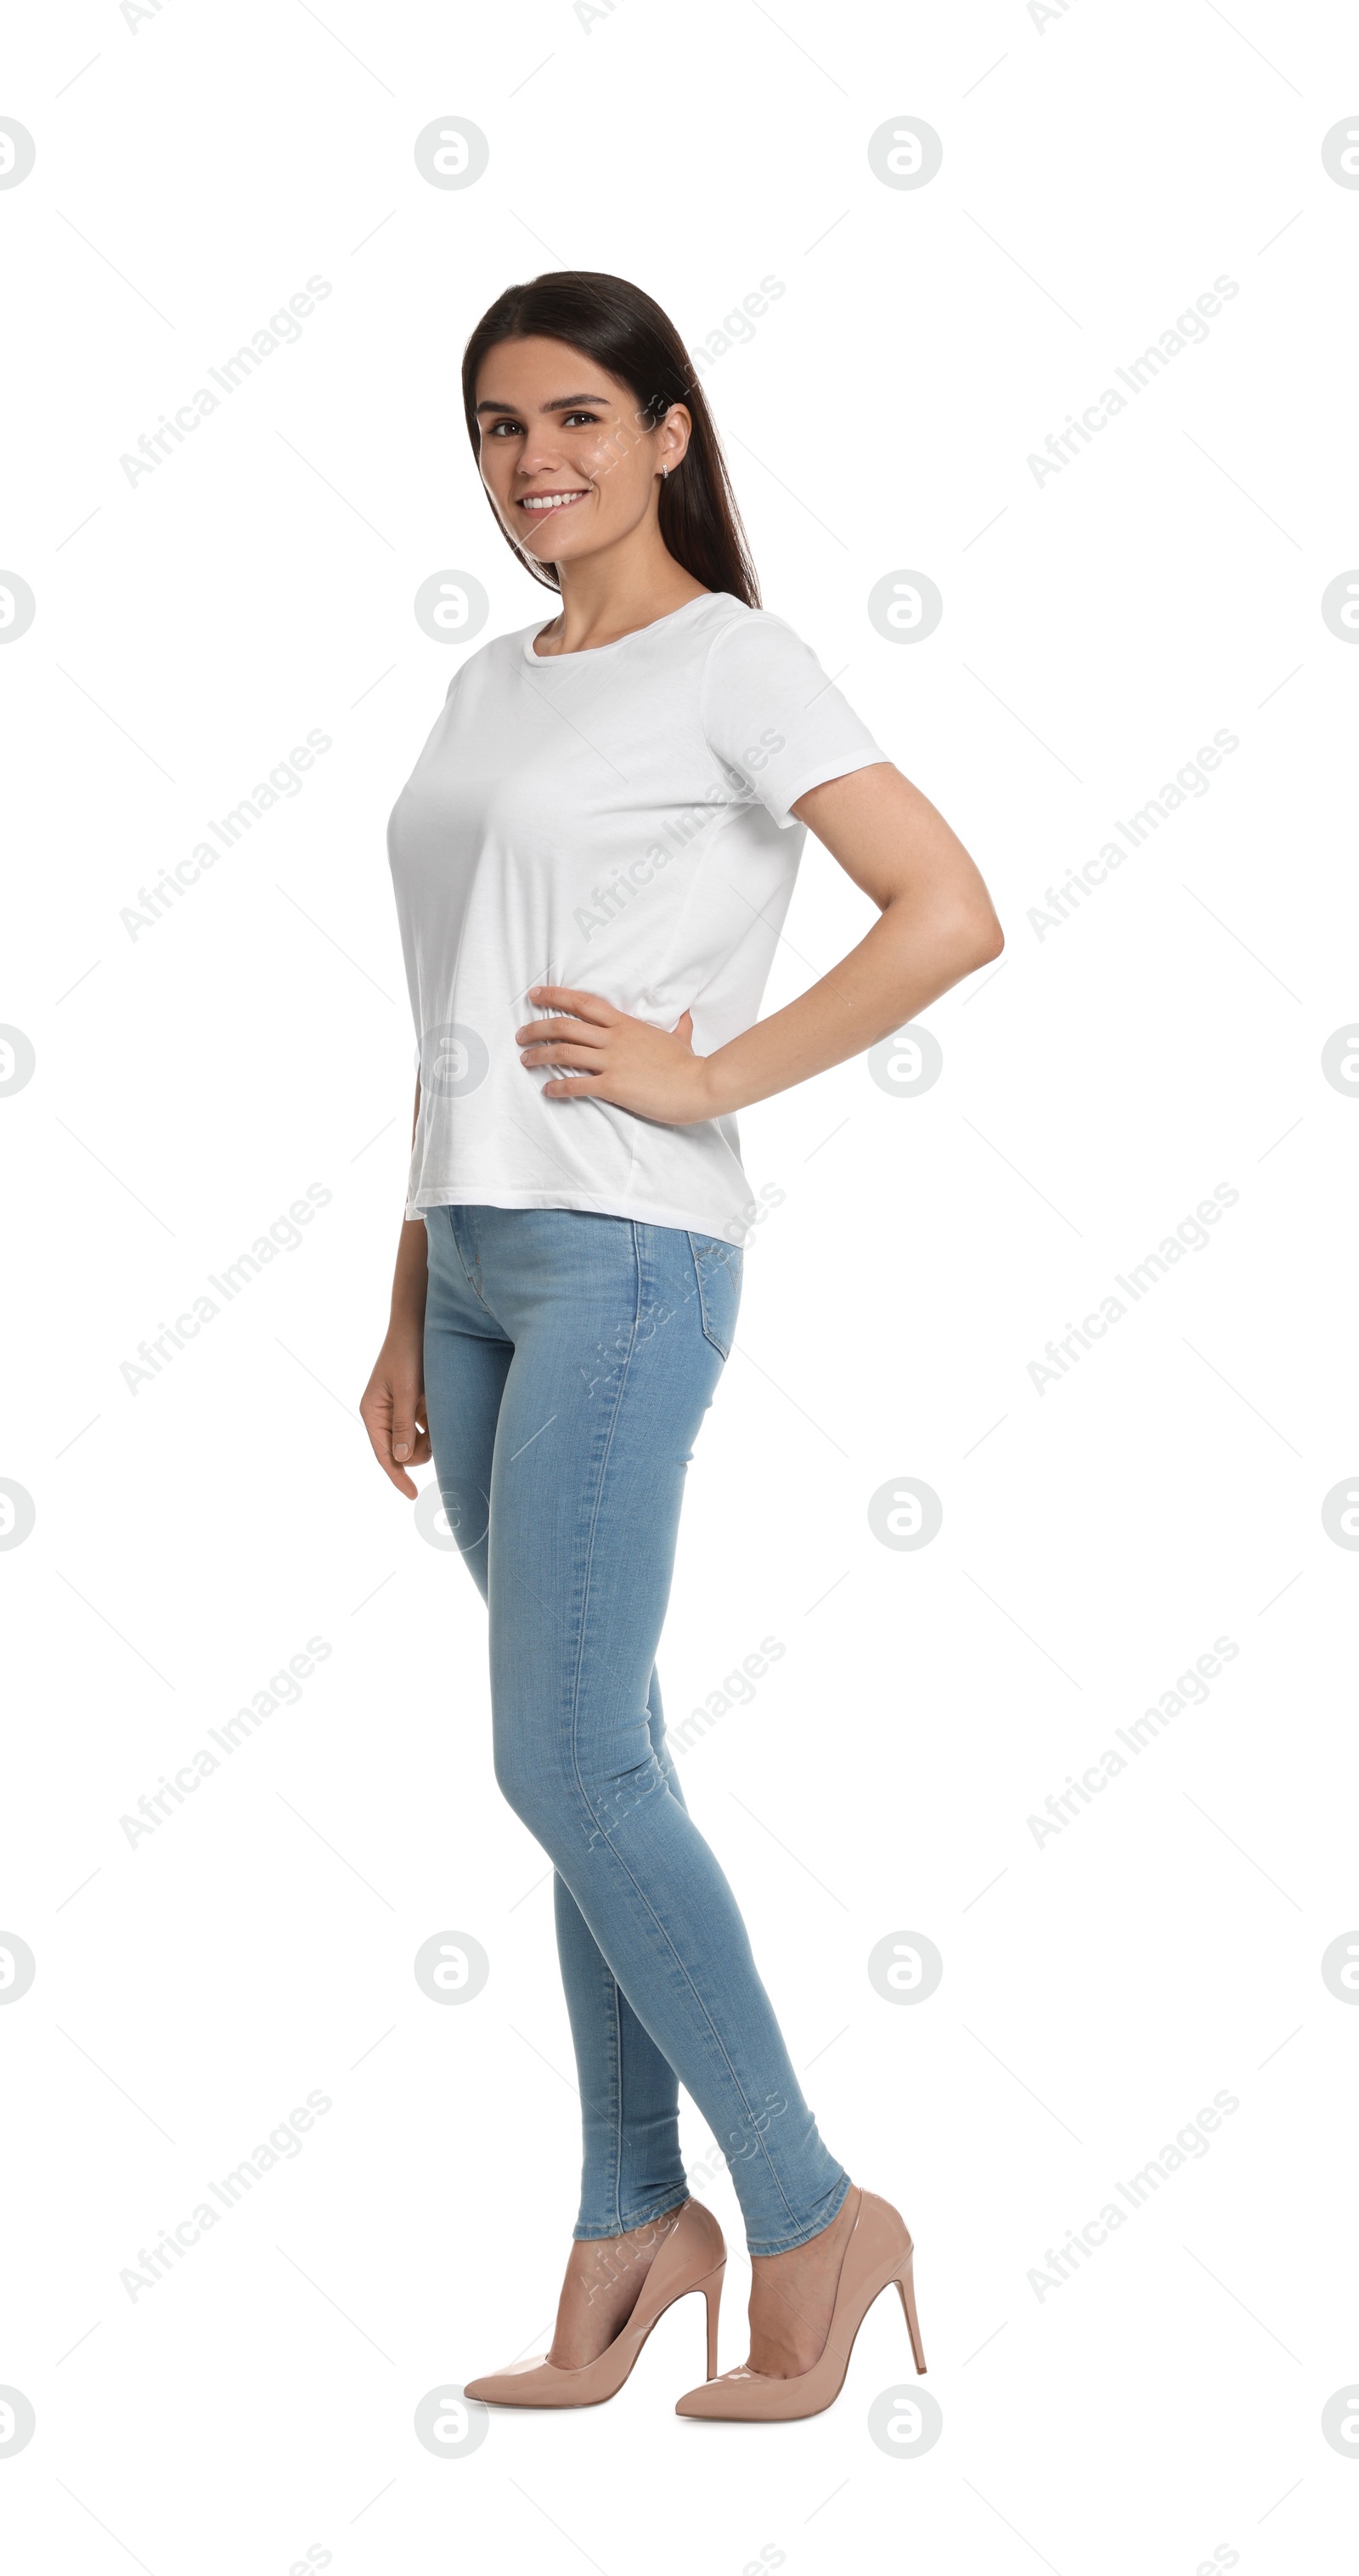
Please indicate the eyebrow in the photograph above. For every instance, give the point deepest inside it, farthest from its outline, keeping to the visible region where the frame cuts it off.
(559, 402)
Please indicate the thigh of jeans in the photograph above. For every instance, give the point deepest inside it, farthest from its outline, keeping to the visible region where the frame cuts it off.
(612, 1373)
(466, 1357)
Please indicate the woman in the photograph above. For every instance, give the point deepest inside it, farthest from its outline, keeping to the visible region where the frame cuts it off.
(592, 860)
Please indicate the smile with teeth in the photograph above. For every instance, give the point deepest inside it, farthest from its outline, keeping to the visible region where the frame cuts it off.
(538, 501)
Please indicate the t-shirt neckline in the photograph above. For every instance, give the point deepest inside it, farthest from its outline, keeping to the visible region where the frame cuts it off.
(588, 652)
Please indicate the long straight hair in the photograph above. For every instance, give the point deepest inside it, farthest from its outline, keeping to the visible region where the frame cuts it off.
(629, 335)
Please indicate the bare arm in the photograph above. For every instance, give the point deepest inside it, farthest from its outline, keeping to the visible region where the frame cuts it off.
(393, 1402)
(410, 1279)
(936, 924)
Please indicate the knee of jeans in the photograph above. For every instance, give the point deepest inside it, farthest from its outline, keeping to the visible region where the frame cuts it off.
(466, 1520)
(530, 1783)
(515, 1784)
(567, 1806)
(613, 1801)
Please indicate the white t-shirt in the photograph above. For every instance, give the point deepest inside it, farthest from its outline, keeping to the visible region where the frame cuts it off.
(615, 820)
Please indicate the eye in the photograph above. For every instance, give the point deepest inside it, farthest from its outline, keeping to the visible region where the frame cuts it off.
(514, 428)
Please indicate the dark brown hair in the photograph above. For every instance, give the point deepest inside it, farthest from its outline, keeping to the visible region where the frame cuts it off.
(629, 335)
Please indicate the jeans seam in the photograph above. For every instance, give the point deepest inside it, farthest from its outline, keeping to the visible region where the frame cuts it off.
(473, 1284)
(790, 2244)
(581, 1790)
(710, 1330)
(617, 2106)
(664, 2202)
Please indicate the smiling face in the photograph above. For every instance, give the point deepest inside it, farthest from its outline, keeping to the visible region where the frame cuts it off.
(564, 455)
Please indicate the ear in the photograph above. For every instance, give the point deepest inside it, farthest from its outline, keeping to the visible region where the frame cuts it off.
(676, 431)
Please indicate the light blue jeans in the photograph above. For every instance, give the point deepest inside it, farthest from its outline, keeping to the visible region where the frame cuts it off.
(569, 1361)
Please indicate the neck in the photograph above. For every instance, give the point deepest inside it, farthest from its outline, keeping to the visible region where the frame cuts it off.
(617, 589)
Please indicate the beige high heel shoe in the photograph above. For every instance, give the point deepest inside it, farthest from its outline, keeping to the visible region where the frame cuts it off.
(877, 2251)
(693, 2257)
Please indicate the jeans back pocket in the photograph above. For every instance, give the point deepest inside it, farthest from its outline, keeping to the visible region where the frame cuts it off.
(717, 1267)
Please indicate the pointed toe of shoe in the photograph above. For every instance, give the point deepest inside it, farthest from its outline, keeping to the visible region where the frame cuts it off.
(878, 2252)
(737, 2395)
(520, 2383)
(695, 2401)
(692, 2257)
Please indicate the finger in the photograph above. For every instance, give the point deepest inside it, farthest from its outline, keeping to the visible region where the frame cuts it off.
(584, 1057)
(421, 1451)
(584, 1006)
(541, 1032)
(378, 1414)
(574, 1089)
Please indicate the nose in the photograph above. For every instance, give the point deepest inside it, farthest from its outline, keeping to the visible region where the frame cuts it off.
(541, 458)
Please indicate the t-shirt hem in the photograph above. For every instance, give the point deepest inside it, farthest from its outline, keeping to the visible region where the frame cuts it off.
(584, 1202)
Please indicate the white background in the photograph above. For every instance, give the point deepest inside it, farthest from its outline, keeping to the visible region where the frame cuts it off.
(1098, 174)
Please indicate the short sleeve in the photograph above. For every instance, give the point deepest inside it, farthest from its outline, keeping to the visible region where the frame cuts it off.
(771, 715)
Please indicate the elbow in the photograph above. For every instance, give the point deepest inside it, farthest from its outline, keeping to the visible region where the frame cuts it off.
(970, 937)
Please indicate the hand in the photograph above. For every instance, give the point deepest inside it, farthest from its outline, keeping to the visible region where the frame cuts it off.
(393, 1411)
(653, 1072)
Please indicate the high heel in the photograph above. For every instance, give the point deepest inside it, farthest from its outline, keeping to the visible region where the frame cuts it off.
(712, 2291)
(693, 2257)
(878, 2250)
(906, 2284)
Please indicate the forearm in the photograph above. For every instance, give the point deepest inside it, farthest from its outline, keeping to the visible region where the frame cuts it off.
(914, 952)
(410, 1279)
